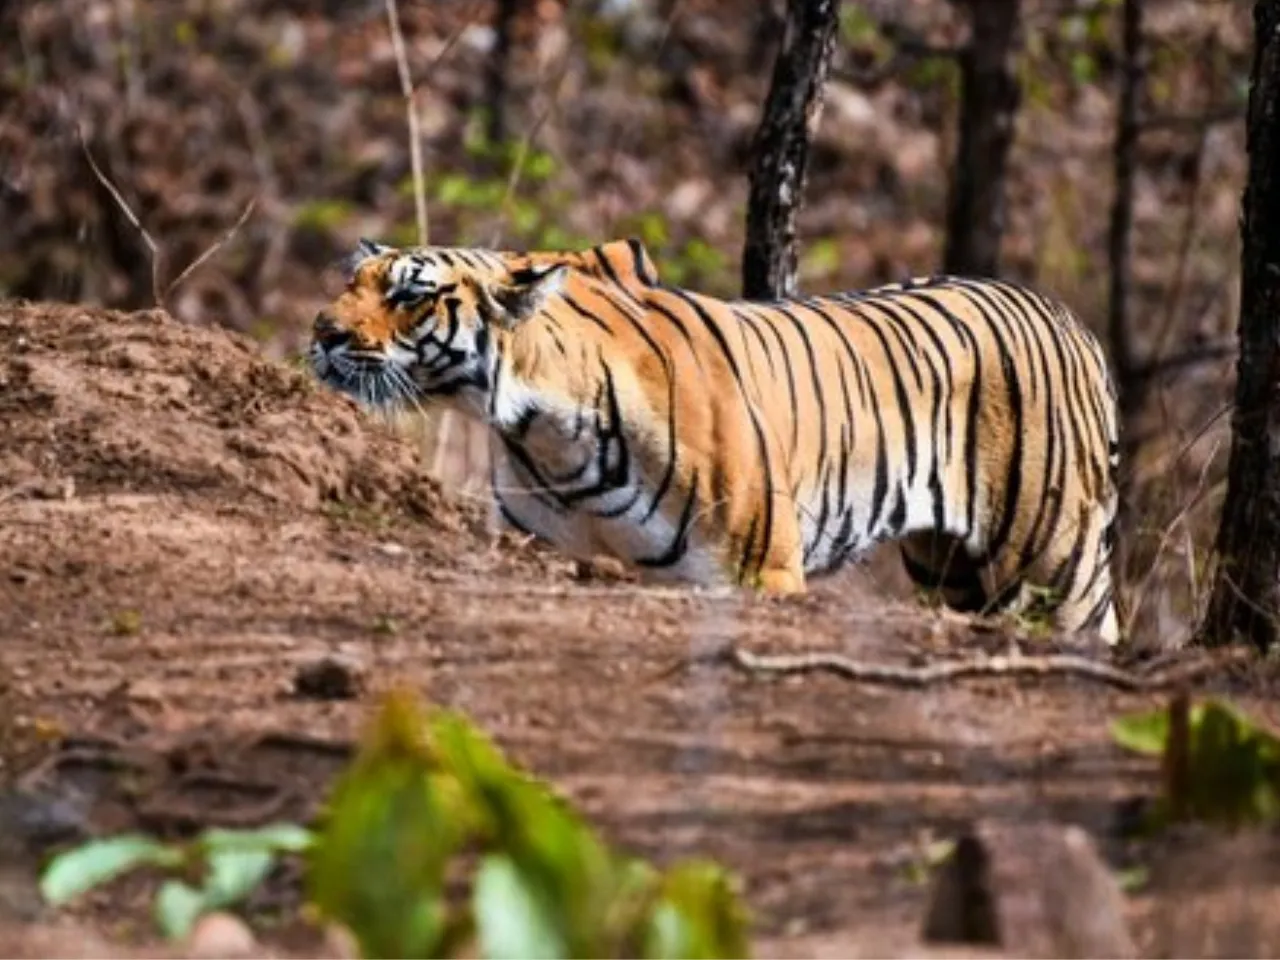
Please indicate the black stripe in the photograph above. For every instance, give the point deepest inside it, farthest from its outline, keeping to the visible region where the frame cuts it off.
(965, 335)
(819, 397)
(680, 539)
(585, 313)
(764, 316)
(638, 263)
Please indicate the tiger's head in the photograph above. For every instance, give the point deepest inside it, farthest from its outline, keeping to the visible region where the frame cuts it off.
(424, 323)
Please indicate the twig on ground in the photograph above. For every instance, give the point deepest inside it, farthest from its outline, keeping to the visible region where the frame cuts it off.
(1004, 665)
(791, 664)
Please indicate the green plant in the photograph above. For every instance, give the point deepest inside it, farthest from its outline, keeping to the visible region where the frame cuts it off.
(231, 864)
(422, 789)
(322, 216)
(1218, 765)
(125, 623)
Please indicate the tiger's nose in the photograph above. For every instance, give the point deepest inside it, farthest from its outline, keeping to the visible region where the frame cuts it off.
(326, 331)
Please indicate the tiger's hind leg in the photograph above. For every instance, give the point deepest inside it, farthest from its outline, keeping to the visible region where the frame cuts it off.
(939, 564)
(1069, 584)
(1084, 576)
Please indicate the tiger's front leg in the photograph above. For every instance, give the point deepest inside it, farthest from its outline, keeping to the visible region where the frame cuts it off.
(780, 582)
(780, 571)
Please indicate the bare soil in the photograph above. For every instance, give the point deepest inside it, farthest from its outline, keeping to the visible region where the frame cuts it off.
(210, 568)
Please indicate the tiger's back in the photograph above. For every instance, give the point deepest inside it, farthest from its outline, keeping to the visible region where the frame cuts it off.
(972, 420)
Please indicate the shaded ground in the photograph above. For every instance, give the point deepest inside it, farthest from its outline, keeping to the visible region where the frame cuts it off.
(185, 526)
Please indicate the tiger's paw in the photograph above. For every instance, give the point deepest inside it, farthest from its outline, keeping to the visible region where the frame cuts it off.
(779, 583)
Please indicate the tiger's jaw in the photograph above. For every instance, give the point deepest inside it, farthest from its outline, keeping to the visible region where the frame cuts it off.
(379, 380)
(396, 378)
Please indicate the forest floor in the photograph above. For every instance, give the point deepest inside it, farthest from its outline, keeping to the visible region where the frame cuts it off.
(187, 527)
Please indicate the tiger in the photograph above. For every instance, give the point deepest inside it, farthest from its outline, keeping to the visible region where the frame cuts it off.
(756, 444)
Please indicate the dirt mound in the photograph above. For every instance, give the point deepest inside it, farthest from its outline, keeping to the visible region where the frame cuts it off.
(97, 401)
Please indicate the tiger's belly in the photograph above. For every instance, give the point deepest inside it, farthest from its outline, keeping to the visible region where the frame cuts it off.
(619, 523)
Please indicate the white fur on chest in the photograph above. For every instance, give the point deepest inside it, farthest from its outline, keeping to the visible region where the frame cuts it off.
(561, 474)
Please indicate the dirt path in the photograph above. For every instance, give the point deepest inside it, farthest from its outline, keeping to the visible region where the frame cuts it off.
(184, 527)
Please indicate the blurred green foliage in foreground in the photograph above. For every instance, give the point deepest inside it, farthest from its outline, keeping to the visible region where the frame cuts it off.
(428, 796)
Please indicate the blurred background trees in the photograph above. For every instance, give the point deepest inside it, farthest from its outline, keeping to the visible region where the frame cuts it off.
(1092, 147)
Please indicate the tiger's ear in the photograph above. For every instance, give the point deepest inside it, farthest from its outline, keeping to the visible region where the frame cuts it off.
(363, 251)
(511, 304)
(370, 248)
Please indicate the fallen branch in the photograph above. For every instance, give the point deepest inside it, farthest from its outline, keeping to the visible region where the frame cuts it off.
(1003, 665)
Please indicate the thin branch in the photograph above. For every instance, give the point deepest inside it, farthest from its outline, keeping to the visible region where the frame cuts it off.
(1210, 353)
(908, 47)
(157, 253)
(1202, 486)
(209, 252)
(123, 204)
(411, 109)
(1177, 287)
(1201, 432)
(911, 44)
(451, 41)
(522, 151)
(1210, 118)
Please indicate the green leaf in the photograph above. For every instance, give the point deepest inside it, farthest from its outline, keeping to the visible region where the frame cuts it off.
(1225, 769)
(1084, 68)
(539, 166)
(275, 837)
(73, 872)
(177, 908)
(234, 874)
(378, 864)
(1133, 879)
(698, 916)
(512, 920)
(1142, 732)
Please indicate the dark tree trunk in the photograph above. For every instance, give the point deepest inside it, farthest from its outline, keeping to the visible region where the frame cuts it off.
(1125, 163)
(989, 97)
(780, 155)
(1125, 158)
(1245, 602)
(495, 79)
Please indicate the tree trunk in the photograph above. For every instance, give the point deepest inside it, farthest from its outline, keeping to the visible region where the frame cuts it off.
(781, 150)
(1125, 163)
(496, 67)
(989, 97)
(1245, 602)
(1119, 332)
